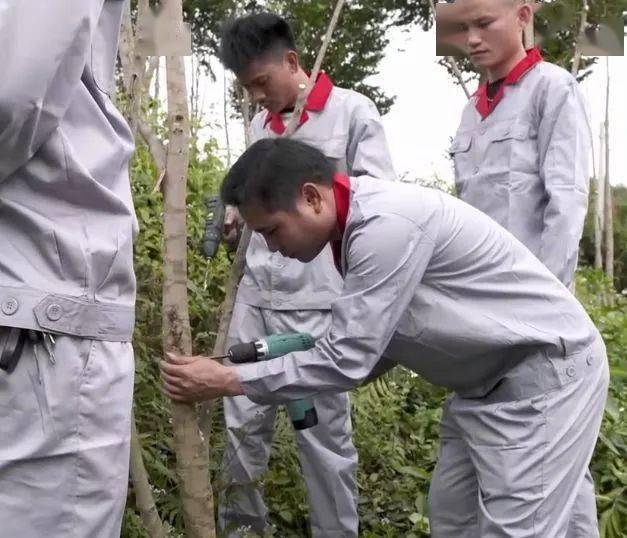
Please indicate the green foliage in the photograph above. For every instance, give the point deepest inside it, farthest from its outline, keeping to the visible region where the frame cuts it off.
(609, 468)
(619, 197)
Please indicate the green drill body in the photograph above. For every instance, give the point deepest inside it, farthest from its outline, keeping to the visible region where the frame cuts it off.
(301, 412)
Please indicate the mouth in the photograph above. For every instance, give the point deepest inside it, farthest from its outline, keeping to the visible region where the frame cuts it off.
(477, 53)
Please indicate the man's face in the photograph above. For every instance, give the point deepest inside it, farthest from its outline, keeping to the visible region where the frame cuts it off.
(300, 233)
(493, 30)
(270, 81)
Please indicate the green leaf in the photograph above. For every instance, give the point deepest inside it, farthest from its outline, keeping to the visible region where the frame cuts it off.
(414, 471)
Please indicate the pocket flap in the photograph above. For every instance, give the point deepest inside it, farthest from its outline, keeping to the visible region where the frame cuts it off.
(517, 131)
(460, 143)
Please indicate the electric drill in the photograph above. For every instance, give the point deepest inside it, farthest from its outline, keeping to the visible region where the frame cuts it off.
(214, 224)
(302, 412)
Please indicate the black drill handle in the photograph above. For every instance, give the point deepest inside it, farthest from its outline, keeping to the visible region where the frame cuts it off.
(214, 226)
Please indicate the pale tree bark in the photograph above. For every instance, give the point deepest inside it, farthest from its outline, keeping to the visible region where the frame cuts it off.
(133, 61)
(599, 204)
(157, 95)
(133, 70)
(582, 27)
(192, 462)
(451, 61)
(609, 220)
(225, 114)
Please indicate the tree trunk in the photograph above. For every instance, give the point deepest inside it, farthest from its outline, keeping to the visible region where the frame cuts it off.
(599, 181)
(582, 26)
(192, 462)
(609, 225)
(450, 60)
(141, 486)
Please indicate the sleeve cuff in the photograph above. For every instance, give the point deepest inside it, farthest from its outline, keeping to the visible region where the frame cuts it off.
(250, 377)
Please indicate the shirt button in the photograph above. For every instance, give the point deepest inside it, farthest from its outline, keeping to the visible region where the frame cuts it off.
(276, 302)
(54, 312)
(10, 306)
(482, 130)
(476, 170)
(570, 371)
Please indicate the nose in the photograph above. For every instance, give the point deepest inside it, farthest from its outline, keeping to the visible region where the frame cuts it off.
(473, 40)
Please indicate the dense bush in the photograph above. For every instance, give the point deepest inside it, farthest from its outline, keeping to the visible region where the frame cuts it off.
(395, 418)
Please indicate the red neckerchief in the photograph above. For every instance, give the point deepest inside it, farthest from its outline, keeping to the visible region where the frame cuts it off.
(485, 107)
(341, 192)
(316, 102)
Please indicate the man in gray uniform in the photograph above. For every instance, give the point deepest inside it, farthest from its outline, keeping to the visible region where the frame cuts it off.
(280, 295)
(522, 149)
(67, 288)
(437, 286)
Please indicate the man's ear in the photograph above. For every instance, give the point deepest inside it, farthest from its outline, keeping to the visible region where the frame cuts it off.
(525, 14)
(293, 61)
(312, 196)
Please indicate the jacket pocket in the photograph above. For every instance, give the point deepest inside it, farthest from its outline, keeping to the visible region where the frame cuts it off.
(511, 148)
(462, 159)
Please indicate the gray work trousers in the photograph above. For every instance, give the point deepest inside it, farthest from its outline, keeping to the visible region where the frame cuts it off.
(64, 440)
(327, 455)
(515, 463)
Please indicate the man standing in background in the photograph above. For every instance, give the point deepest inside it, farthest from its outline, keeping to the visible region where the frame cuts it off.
(521, 156)
(522, 149)
(279, 295)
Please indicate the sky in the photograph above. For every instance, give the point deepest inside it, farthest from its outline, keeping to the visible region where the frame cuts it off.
(428, 108)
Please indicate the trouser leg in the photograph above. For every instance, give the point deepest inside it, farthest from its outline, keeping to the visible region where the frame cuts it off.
(65, 430)
(326, 451)
(249, 432)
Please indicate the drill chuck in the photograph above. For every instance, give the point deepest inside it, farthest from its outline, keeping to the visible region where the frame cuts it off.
(302, 412)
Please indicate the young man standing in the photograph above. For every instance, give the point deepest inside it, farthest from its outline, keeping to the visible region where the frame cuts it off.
(522, 149)
(437, 286)
(278, 294)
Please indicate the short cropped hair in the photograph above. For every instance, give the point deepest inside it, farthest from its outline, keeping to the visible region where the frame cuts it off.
(271, 172)
(249, 38)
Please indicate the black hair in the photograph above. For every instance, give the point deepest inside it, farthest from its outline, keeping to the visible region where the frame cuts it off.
(272, 171)
(249, 38)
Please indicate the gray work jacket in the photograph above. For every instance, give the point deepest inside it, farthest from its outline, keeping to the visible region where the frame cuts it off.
(66, 215)
(526, 164)
(437, 286)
